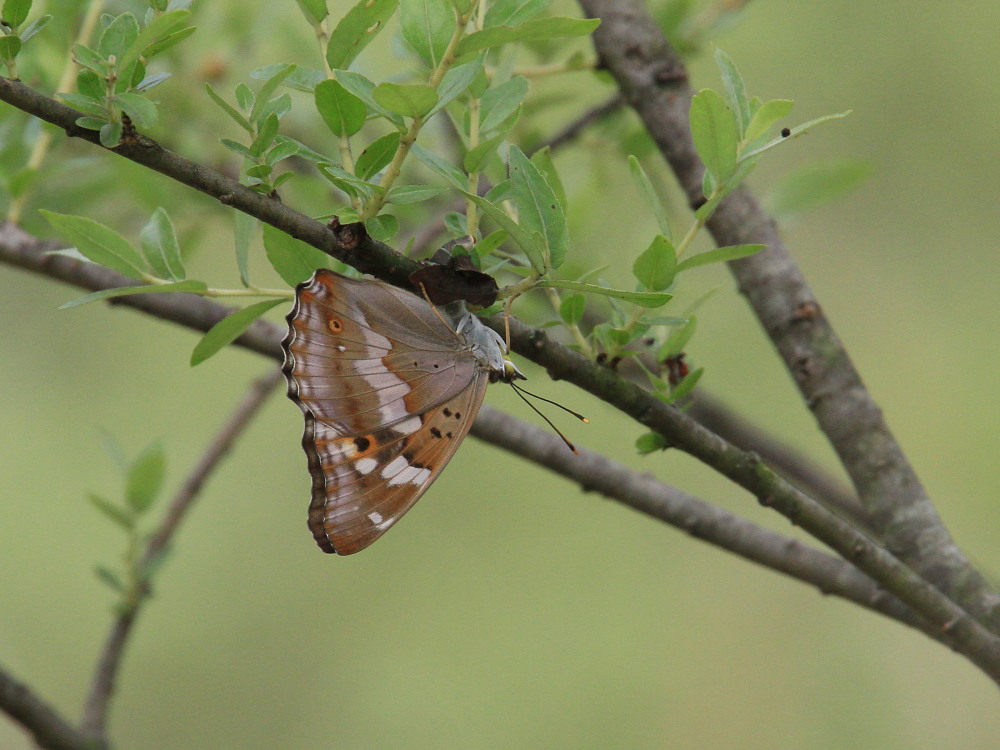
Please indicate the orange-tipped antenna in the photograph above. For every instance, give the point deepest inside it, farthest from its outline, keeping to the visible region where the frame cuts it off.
(521, 392)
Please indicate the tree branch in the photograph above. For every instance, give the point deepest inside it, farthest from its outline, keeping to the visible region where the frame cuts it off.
(95, 712)
(48, 728)
(654, 81)
(591, 471)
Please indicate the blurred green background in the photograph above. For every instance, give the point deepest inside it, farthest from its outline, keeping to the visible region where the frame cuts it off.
(509, 609)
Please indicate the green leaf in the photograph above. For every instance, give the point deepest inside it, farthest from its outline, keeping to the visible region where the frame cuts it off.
(649, 193)
(346, 181)
(571, 309)
(239, 148)
(656, 267)
(686, 385)
(230, 328)
(383, 227)
(15, 12)
(265, 135)
(543, 160)
(376, 156)
(10, 45)
(167, 42)
(427, 26)
(768, 114)
(409, 100)
(314, 10)
(713, 129)
(543, 28)
(342, 111)
(301, 79)
(226, 107)
(101, 244)
(118, 37)
(651, 442)
(795, 133)
(145, 478)
(244, 226)
(159, 246)
(364, 89)
(643, 299)
(412, 193)
(456, 81)
(500, 102)
(816, 184)
(270, 87)
(34, 27)
(293, 259)
(730, 252)
(529, 242)
(736, 92)
(476, 158)
(438, 165)
(513, 12)
(678, 339)
(109, 510)
(538, 209)
(491, 242)
(157, 29)
(123, 291)
(139, 109)
(356, 30)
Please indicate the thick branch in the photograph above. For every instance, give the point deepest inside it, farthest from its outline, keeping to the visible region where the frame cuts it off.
(729, 532)
(654, 81)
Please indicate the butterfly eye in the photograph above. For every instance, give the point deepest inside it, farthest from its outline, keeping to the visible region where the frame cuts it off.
(335, 325)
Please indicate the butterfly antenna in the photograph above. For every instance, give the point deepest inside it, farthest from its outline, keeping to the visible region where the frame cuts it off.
(521, 393)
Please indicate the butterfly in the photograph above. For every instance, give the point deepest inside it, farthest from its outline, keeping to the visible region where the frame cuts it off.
(389, 386)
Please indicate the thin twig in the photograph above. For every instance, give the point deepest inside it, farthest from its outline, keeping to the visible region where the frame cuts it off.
(574, 129)
(653, 78)
(47, 728)
(95, 712)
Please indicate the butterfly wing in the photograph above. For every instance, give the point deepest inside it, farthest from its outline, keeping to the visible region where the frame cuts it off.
(388, 392)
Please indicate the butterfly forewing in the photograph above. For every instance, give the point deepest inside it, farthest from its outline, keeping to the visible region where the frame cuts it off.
(388, 391)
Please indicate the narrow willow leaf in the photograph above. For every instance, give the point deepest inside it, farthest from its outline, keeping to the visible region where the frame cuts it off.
(118, 36)
(543, 28)
(383, 227)
(15, 12)
(34, 27)
(427, 26)
(412, 193)
(301, 79)
(101, 244)
(513, 12)
(356, 30)
(145, 478)
(529, 242)
(543, 160)
(438, 165)
(730, 252)
(314, 10)
(111, 511)
(364, 89)
(293, 259)
(678, 339)
(376, 156)
(111, 134)
(475, 158)
(713, 128)
(499, 103)
(649, 193)
(229, 109)
(159, 245)
(342, 111)
(158, 28)
(139, 108)
(768, 114)
(815, 185)
(123, 291)
(456, 81)
(10, 46)
(656, 267)
(244, 227)
(270, 87)
(643, 299)
(491, 242)
(736, 92)
(168, 41)
(409, 100)
(651, 442)
(687, 385)
(795, 132)
(572, 308)
(229, 329)
(538, 209)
